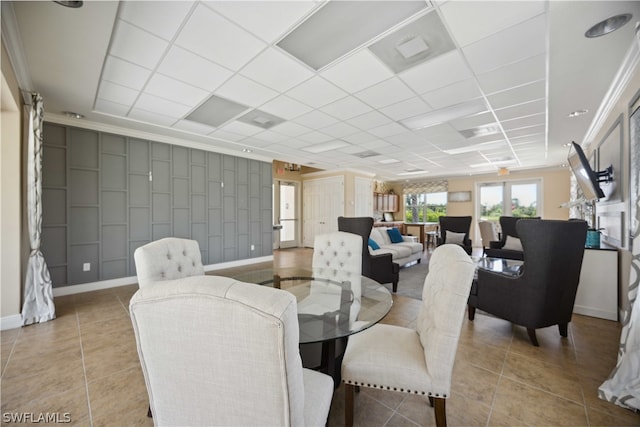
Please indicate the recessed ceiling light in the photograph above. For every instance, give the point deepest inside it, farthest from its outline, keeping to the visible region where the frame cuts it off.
(367, 153)
(388, 161)
(577, 113)
(607, 26)
(413, 172)
(260, 119)
(73, 115)
(246, 150)
(74, 4)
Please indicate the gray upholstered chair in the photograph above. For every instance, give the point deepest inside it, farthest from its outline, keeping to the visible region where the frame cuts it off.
(415, 361)
(380, 268)
(215, 351)
(167, 259)
(455, 230)
(544, 294)
(509, 245)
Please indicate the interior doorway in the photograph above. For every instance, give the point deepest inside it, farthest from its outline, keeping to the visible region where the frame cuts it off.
(286, 212)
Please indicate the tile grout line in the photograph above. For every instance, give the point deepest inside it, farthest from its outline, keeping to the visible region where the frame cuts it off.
(13, 347)
(500, 376)
(575, 355)
(84, 368)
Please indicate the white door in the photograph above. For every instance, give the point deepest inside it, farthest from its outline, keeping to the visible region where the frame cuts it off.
(364, 197)
(286, 213)
(323, 203)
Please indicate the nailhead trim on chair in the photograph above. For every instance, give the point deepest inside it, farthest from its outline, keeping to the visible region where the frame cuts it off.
(381, 387)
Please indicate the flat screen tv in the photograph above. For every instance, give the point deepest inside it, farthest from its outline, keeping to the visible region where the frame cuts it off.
(586, 177)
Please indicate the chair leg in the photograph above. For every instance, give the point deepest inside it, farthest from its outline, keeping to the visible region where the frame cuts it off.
(431, 401)
(532, 336)
(349, 390)
(395, 286)
(562, 327)
(440, 410)
(472, 312)
(149, 414)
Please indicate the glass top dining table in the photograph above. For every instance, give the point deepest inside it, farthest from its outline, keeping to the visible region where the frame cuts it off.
(327, 309)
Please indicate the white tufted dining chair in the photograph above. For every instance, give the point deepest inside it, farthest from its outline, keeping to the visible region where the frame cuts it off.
(417, 361)
(167, 259)
(216, 351)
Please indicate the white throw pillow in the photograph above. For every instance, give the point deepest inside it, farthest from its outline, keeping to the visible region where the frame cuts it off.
(512, 243)
(454, 238)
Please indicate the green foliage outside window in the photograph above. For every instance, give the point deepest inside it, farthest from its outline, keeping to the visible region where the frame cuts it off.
(421, 208)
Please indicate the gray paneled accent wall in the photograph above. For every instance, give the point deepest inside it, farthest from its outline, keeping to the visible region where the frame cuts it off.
(105, 195)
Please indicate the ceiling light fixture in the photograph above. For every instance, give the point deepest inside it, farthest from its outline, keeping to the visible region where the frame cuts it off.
(577, 113)
(247, 150)
(74, 4)
(412, 46)
(444, 115)
(503, 171)
(73, 115)
(413, 172)
(607, 26)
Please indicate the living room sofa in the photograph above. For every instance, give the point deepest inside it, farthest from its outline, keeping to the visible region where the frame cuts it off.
(404, 252)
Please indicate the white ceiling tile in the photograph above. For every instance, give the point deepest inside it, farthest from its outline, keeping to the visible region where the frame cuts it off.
(137, 46)
(214, 37)
(270, 136)
(473, 121)
(162, 106)
(523, 122)
(515, 74)
(276, 70)
(456, 93)
(116, 93)
(436, 73)
(266, 19)
(340, 130)
(405, 109)
(528, 131)
(316, 92)
(346, 108)
(359, 138)
(227, 136)
(285, 107)
(245, 91)
(194, 127)
(315, 137)
(151, 117)
(241, 128)
(357, 72)
(511, 45)
(290, 129)
(471, 21)
(389, 129)
(168, 88)
(518, 95)
(193, 69)
(522, 110)
(316, 120)
(125, 73)
(386, 93)
(108, 107)
(369, 120)
(160, 18)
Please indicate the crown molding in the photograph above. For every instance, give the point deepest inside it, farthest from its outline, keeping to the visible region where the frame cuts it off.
(13, 43)
(617, 88)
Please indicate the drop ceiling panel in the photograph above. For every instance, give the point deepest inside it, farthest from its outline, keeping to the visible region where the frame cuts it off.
(125, 73)
(522, 110)
(108, 107)
(513, 75)
(276, 70)
(241, 89)
(151, 117)
(519, 95)
(369, 120)
(291, 129)
(404, 109)
(117, 93)
(357, 72)
(316, 92)
(161, 106)
(523, 122)
(359, 138)
(439, 72)
(389, 129)
(316, 120)
(455, 93)
(315, 137)
(137, 46)
(286, 107)
(194, 127)
(241, 128)
(267, 20)
(346, 108)
(474, 20)
(191, 68)
(162, 19)
(214, 37)
(385, 93)
(340, 130)
(168, 88)
(511, 45)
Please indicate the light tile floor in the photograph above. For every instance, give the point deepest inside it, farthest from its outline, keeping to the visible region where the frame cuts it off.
(85, 363)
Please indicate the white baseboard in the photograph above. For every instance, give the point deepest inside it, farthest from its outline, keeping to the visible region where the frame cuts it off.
(10, 322)
(132, 280)
(595, 312)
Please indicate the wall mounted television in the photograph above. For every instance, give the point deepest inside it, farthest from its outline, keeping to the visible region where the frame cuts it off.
(585, 175)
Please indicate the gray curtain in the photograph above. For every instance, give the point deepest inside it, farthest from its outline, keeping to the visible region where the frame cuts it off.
(623, 385)
(38, 290)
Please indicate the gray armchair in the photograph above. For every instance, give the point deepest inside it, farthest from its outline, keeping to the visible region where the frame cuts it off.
(455, 230)
(497, 248)
(544, 293)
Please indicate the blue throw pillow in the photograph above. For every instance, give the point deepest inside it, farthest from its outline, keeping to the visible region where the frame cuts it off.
(373, 245)
(395, 236)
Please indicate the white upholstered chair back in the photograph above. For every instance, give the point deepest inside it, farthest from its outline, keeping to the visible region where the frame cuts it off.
(215, 351)
(167, 259)
(444, 297)
(488, 232)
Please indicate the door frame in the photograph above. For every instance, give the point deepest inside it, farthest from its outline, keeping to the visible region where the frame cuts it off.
(276, 212)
